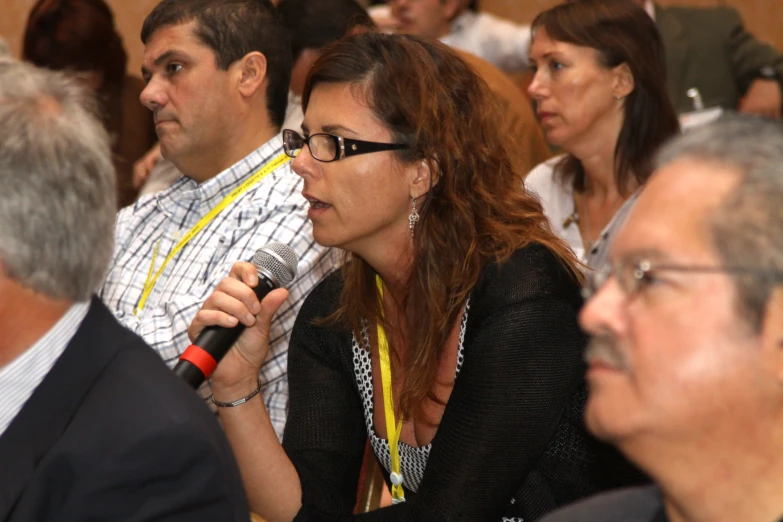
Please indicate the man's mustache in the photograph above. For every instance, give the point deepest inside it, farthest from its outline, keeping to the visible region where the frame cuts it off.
(603, 349)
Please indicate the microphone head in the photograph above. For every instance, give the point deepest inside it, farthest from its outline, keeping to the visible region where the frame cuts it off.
(278, 261)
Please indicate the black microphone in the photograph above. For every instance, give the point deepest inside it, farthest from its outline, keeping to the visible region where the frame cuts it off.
(276, 265)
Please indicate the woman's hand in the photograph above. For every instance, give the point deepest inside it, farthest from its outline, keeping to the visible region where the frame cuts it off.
(234, 302)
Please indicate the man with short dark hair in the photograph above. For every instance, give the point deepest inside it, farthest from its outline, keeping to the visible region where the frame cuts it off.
(686, 360)
(93, 426)
(217, 75)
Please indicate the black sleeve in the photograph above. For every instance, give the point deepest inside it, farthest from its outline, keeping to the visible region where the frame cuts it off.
(748, 56)
(523, 363)
(325, 434)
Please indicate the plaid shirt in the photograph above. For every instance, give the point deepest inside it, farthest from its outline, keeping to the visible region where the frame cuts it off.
(271, 211)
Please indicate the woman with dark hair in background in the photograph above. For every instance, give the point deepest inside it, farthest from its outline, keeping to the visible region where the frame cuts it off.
(600, 90)
(449, 340)
(79, 35)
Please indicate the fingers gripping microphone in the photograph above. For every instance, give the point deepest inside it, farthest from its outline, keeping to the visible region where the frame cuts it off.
(276, 265)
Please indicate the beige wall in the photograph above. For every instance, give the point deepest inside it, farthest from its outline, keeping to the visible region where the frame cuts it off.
(762, 17)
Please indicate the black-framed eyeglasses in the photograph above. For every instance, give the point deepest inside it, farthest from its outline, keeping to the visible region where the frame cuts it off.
(328, 147)
(634, 276)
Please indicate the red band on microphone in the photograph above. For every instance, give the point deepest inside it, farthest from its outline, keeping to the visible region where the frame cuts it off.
(200, 358)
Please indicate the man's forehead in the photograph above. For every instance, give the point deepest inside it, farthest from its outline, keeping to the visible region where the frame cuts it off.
(180, 38)
(674, 208)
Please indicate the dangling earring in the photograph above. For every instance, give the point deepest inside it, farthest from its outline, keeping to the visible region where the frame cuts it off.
(414, 217)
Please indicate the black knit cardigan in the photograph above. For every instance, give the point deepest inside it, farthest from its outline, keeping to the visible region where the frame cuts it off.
(512, 427)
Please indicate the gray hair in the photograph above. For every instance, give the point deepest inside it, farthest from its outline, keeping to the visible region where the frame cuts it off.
(747, 228)
(57, 184)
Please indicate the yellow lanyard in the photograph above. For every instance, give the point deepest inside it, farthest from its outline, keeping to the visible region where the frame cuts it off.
(393, 429)
(151, 280)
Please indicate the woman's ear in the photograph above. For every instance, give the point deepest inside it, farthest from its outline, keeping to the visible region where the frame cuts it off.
(624, 81)
(424, 177)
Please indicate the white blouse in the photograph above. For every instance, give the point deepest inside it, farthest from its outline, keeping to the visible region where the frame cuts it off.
(557, 198)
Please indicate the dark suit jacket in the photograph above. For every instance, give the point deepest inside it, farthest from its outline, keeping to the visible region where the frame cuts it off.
(710, 49)
(112, 434)
(642, 504)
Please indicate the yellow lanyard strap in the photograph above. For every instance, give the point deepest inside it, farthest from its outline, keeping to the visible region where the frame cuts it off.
(393, 429)
(151, 280)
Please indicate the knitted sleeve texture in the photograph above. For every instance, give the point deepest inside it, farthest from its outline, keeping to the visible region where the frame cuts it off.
(512, 427)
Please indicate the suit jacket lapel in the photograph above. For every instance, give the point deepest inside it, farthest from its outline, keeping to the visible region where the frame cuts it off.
(676, 43)
(48, 412)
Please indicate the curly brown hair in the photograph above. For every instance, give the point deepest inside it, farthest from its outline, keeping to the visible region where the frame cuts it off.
(476, 211)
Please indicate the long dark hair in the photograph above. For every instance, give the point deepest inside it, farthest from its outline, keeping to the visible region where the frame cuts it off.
(477, 211)
(76, 35)
(622, 32)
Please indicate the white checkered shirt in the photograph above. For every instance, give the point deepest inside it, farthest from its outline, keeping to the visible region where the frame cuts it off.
(271, 211)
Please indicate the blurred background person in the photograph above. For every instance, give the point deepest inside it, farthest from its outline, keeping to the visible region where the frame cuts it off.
(80, 36)
(685, 366)
(516, 113)
(93, 426)
(312, 25)
(458, 23)
(455, 280)
(600, 93)
(708, 49)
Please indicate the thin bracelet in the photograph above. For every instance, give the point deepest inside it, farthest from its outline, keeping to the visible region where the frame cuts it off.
(237, 402)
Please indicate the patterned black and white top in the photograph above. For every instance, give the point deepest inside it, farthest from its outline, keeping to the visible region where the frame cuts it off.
(412, 460)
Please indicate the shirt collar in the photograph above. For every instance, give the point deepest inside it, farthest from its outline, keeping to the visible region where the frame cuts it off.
(20, 377)
(185, 191)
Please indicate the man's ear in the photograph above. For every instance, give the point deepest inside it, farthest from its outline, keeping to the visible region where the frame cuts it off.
(251, 69)
(624, 83)
(772, 334)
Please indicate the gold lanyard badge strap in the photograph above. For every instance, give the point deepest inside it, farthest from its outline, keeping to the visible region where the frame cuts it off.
(393, 429)
(151, 280)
